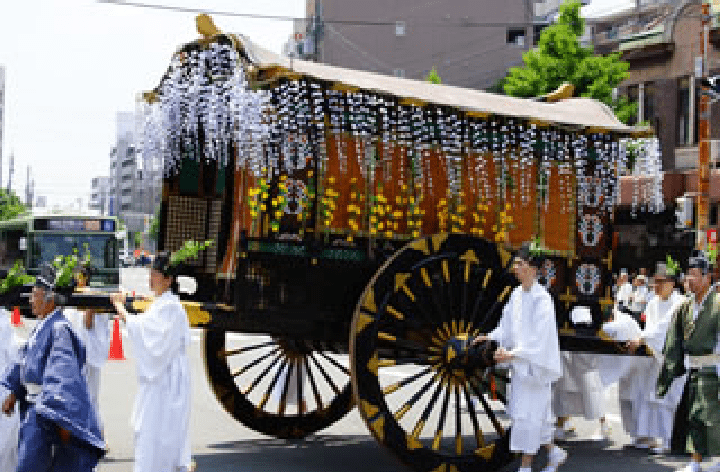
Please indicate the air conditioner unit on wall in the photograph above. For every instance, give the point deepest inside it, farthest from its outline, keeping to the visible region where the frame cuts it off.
(684, 207)
(715, 153)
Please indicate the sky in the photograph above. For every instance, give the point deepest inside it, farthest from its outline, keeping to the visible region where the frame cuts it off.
(72, 65)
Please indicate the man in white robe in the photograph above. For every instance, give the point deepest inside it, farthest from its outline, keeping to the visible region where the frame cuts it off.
(160, 339)
(622, 369)
(92, 329)
(638, 298)
(579, 392)
(9, 425)
(528, 341)
(624, 290)
(654, 415)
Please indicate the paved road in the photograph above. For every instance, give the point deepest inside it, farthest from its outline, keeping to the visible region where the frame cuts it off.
(221, 444)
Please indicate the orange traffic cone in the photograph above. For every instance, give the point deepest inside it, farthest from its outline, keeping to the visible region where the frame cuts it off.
(116, 351)
(15, 318)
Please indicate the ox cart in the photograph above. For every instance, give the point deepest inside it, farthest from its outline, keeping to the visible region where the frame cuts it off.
(364, 226)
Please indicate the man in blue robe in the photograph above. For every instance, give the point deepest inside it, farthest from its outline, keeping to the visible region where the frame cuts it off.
(59, 429)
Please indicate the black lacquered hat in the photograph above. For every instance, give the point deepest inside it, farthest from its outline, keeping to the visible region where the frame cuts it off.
(532, 255)
(161, 263)
(46, 278)
(699, 260)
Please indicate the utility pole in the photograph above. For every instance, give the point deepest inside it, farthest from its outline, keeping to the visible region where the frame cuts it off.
(2, 115)
(704, 136)
(28, 194)
(11, 171)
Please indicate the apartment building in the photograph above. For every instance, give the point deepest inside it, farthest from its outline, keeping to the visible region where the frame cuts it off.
(470, 43)
(661, 40)
(100, 195)
(134, 184)
(2, 114)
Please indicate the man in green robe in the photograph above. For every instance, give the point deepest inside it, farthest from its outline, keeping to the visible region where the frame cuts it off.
(692, 346)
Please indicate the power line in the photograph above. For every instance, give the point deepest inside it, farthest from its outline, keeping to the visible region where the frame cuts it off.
(358, 49)
(463, 24)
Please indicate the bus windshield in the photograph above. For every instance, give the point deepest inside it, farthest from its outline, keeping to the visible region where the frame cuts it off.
(102, 248)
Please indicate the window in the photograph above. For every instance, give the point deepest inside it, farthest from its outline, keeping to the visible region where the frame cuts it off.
(633, 95)
(649, 103)
(516, 36)
(682, 131)
(399, 28)
(714, 214)
(399, 72)
(698, 96)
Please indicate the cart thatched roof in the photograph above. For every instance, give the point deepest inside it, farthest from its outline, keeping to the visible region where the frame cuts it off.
(580, 112)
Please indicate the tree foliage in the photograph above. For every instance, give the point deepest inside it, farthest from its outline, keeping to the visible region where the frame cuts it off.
(559, 57)
(10, 205)
(154, 229)
(433, 77)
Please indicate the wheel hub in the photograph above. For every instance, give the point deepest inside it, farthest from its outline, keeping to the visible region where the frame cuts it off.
(461, 357)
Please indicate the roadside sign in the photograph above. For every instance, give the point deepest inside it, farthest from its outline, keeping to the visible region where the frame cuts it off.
(712, 236)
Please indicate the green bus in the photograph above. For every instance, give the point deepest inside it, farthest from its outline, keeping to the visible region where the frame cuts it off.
(37, 239)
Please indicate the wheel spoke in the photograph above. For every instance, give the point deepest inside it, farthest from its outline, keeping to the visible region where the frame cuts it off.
(446, 281)
(489, 314)
(488, 411)
(458, 426)
(404, 361)
(257, 361)
(335, 363)
(479, 438)
(421, 303)
(414, 399)
(313, 385)
(439, 308)
(443, 414)
(402, 383)
(271, 387)
(233, 352)
(325, 375)
(466, 292)
(286, 387)
(262, 375)
(406, 344)
(299, 387)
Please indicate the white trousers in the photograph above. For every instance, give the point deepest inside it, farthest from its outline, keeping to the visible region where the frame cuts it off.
(531, 415)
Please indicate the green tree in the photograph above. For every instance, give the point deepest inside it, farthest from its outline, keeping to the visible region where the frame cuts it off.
(10, 205)
(154, 227)
(433, 77)
(559, 57)
(137, 239)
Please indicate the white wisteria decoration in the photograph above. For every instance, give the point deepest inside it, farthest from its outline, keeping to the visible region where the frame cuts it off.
(205, 109)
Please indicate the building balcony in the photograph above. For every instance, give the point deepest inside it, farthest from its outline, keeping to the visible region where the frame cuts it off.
(652, 43)
(714, 36)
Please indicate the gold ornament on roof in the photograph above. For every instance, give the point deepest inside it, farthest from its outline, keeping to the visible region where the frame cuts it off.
(206, 27)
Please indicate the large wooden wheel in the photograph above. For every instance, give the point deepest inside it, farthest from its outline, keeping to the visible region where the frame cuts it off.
(416, 386)
(255, 379)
